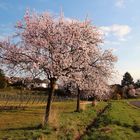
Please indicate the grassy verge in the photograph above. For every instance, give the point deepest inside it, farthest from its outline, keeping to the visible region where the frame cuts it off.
(119, 121)
(65, 124)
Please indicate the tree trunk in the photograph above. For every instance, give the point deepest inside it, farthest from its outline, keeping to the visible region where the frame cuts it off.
(48, 107)
(78, 101)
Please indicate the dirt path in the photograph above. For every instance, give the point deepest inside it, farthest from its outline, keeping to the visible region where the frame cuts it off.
(85, 102)
(135, 103)
(93, 124)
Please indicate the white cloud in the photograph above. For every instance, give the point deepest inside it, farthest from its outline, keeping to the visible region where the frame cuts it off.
(6, 30)
(119, 31)
(120, 3)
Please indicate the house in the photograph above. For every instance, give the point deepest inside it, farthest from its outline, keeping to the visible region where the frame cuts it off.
(37, 83)
(28, 82)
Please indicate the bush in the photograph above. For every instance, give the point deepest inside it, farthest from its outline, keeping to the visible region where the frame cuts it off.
(3, 83)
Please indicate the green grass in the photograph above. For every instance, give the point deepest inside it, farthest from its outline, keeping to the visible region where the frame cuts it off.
(116, 133)
(119, 122)
(65, 124)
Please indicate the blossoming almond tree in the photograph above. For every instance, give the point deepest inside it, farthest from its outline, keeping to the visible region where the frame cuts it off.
(94, 77)
(53, 47)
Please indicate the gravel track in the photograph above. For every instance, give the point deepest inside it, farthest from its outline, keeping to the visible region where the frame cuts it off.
(135, 103)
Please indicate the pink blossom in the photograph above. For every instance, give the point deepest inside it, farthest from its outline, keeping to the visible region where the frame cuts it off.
(19, 24)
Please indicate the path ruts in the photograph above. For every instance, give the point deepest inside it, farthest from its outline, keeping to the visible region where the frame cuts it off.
(93, 123)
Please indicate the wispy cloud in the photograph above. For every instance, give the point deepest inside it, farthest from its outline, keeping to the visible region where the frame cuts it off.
(5, 30)
(111, 43)
(5, 6)
(120, 3)
(119, 31)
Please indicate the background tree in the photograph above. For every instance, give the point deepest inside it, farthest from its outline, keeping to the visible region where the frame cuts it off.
(137, 84)
(54, 47)
(127, 79)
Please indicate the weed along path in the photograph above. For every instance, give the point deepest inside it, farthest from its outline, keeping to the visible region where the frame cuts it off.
(135, 103)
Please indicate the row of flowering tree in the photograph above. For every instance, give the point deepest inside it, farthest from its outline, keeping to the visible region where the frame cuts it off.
(59, 49)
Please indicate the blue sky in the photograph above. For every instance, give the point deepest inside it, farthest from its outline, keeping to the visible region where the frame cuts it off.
(119, 20)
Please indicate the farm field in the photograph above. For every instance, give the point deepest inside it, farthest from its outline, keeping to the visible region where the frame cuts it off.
(64, 122)
(119, 120)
